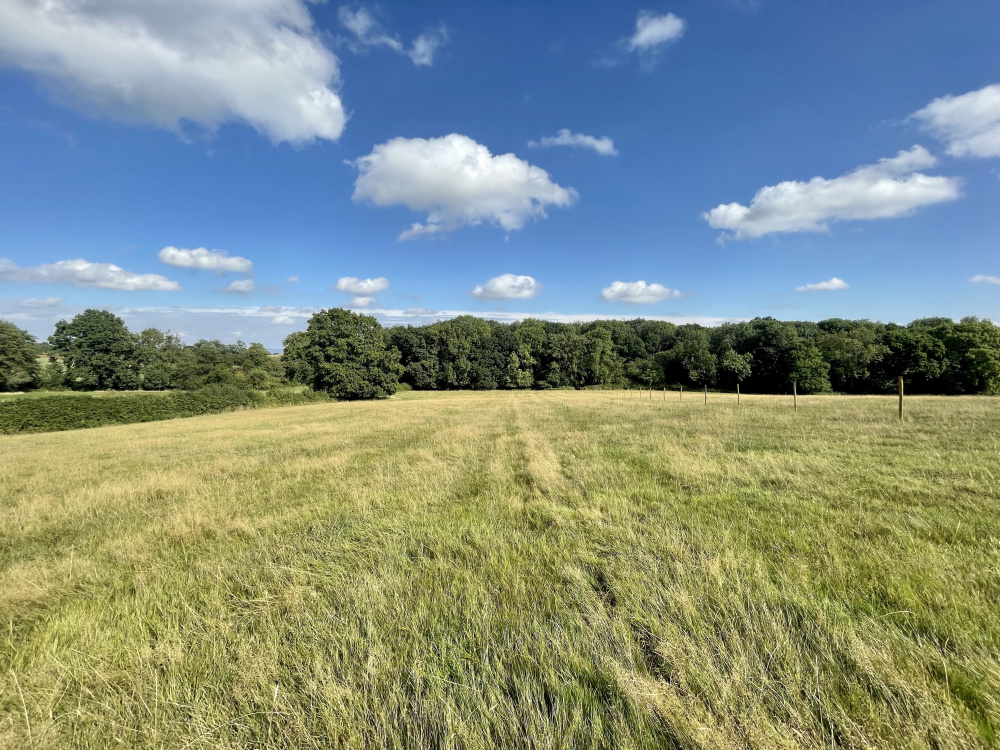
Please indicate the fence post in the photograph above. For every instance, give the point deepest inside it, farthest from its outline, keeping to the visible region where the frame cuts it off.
(900, 396)
(664, 393)
(682, 394)
(706, 394)
(737, 393)
(795, 396)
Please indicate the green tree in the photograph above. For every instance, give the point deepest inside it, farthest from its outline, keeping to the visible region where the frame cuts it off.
(18, 358)
(97, 351)
(347, 355)
(736, 367)
(809, 369)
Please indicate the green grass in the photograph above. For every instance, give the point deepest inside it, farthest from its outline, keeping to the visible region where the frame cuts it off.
(481, 570)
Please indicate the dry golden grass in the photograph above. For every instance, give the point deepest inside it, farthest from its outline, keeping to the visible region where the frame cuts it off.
(475, 570)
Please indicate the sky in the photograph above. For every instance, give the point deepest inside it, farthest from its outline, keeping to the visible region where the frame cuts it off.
(225, 168)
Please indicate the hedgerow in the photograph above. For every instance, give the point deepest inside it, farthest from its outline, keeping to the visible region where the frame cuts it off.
(76, 412)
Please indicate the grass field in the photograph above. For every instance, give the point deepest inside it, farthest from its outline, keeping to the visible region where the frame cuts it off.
(480, 570)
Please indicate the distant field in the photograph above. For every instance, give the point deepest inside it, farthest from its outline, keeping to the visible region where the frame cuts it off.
(519, 569)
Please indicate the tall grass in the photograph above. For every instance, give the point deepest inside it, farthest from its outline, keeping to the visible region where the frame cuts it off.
(480, 570)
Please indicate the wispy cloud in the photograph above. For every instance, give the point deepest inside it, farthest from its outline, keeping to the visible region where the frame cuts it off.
(367, 31)
(980, 278)
(831, 285)
(603, 146)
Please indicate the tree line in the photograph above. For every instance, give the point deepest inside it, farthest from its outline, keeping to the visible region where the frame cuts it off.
(764, 355)
(350, 355)
(96, 351)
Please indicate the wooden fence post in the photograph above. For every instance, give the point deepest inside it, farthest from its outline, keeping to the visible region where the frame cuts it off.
(795, 396)
(900, 396)
(664, 393)
(737, 393)
(706, 394)
(682, 394)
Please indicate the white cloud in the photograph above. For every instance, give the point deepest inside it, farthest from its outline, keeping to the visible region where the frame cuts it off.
(980, 278)
(368, 32)
(888, 189)
(363, 302)
(292, 280)
(969, 124)
(206, 260)
(283, 320)
(424, 46)
(458, 182)
(166, 63)
(653, 32)
(42, 303)
(84, 273)
(604, 146)
(363, 287)
(240, 286)
(824, 286)
(638, 292)
(507, 286)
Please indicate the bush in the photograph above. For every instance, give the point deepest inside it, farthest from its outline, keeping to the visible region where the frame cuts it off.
(75, 412)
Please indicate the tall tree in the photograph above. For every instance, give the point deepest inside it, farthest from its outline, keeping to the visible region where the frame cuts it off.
(347, 355)
(97, 351)
(18, 358)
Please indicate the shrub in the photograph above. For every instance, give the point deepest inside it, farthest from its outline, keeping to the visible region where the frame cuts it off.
(75, 412)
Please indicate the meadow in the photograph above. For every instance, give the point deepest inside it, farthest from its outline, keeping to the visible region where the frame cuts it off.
(563, 569)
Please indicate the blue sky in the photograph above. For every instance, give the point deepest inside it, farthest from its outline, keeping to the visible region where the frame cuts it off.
(732, 155)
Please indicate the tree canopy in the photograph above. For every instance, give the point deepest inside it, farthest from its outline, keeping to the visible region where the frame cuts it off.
(18, 358)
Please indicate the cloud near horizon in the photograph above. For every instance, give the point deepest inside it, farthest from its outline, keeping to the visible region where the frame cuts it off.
(458, 182)
(603, 146)
(167, 64)
(969, 124)
(831, 285)
(888, 189)
(81, 272)
(507, 286)
(240, 286)
(206, 260)
(638, 293)
(981, 278)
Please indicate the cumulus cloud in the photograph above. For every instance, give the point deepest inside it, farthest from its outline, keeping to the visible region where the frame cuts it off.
(363, 302)
(282, 320)
(368, 32)
(888, 189)
(201, 61)
(604, 145)
(969, 124)
(507, 286)
(824, 286)
(638, 292)
(240, 286)
(84, 273)
(206, 260)
(653, 32)
(362, 287)
(980, 278)
(458, 182)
